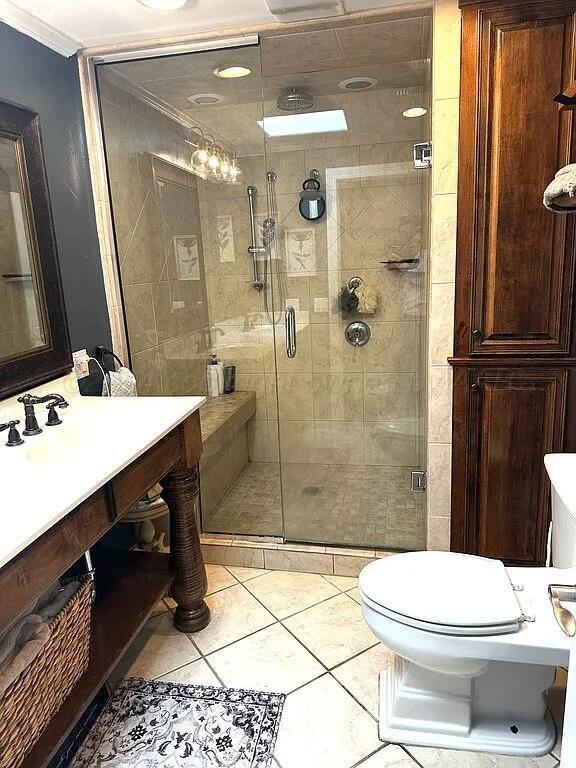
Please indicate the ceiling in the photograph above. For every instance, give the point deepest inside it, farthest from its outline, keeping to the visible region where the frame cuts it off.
(67, 25)
(394, 52)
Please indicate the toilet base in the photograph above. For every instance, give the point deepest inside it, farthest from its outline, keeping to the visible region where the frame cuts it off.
(426, 709)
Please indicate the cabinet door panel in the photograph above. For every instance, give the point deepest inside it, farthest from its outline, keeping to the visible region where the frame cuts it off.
(514, 418)
(518, 257)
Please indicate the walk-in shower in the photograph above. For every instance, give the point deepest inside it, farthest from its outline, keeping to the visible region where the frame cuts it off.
(217, 254)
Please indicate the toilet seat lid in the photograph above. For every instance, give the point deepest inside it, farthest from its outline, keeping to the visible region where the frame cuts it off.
(443, 589)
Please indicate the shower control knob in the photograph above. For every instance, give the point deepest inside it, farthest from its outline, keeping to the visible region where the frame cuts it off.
(477, 334)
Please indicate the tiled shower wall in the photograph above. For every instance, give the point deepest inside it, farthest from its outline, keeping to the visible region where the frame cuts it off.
(336, 404)
(157, 225)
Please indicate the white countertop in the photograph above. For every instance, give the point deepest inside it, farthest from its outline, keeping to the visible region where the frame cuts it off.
(47, 477)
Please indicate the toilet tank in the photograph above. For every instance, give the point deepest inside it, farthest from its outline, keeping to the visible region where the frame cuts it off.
(561, 468)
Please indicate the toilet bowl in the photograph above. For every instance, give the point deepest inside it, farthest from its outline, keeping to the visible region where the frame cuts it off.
(476, 644)
(477, 648)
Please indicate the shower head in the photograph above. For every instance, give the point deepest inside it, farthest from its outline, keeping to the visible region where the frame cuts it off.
(295, 100)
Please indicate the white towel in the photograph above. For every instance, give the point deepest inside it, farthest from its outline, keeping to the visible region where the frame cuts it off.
(564, 183)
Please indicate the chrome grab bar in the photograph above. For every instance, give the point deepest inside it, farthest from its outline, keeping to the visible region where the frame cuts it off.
(253, 248)
(290, 320)
(564, 617)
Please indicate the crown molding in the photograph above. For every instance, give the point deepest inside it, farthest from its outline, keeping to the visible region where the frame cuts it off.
(39, 30)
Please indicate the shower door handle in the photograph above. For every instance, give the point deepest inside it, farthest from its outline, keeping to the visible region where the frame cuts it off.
(290, 321)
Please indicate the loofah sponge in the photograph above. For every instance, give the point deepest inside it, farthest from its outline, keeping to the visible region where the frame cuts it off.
(367, 299)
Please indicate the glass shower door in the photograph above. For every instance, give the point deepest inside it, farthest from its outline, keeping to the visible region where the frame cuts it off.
(350, 415)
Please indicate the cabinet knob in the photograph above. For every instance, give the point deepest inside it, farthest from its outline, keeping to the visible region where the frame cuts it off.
(477, 334)
(474, 387)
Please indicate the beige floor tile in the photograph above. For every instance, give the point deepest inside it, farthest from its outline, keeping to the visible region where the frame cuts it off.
(219, 578)
(334, 630)
(196, 673)
(323, 727)
(285, 593)
(447, 758)
(360, 675)
(354, 594)
(344, 583)
(391, 756)
(160, 608)
(235, 614)
(158, 649)
(245, 574)
(270, 660)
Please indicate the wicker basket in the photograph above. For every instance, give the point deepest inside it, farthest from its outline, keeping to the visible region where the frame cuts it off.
(33, 699)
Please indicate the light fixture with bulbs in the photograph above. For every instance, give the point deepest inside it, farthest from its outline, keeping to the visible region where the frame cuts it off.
(415, 112)
(164, 5)
(212, 160)
(231, 72)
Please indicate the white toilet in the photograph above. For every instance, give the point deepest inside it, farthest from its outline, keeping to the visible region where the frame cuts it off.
(477, 643)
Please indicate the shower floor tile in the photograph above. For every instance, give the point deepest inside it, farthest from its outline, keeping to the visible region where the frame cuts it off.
(336, 504)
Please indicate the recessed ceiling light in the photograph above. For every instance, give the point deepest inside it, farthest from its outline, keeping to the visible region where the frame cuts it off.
(358, 83)
(415, 112)
(304, 123)
(232, 72)
(206, 99)
(164, 5)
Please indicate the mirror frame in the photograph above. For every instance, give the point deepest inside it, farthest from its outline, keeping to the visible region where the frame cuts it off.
(54, 358)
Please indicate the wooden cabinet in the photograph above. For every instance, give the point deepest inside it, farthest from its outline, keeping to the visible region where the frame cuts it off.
(514, 324)
(509, 420)
(515, 258)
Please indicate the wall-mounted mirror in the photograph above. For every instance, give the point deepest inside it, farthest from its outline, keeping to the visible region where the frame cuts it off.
(34, 344)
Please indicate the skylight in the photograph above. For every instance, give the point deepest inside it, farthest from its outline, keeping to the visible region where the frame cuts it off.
(305, 122)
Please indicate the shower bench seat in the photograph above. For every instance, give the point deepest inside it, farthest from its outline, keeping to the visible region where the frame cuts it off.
(224, 423)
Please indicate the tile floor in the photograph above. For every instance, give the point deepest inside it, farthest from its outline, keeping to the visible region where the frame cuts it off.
(304, 635)
(351, 505)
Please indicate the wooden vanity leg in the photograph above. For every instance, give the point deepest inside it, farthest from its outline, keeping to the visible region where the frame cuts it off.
(180, 492)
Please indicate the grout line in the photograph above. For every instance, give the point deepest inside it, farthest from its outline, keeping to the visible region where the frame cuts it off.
(364, 759)
(411, 756)
(364, 707)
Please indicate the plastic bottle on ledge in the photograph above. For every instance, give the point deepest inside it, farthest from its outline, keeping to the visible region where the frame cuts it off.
(212, 382)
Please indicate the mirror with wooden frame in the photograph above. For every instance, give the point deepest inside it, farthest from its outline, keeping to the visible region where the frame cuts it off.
(34, 343)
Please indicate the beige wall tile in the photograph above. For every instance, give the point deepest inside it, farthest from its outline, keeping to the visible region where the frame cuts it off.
(140, 317)
(349, 566)
(295, 401)
(391, 444)
(441, 325)
(339, 442)
(297, 442)
(392, 348)
(338, 396)
(307, 562)
(445, 141)
(390, 396)
(443, 242)
(146, 367)
(331, 352)
(446, 79)
(230, 555)
(438, 533)
(439, 479)
(440, 405)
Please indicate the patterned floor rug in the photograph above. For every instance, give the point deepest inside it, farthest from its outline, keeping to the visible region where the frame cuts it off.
(148, 724)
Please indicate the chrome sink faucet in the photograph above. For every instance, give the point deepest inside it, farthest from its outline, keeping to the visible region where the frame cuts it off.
(31, 422)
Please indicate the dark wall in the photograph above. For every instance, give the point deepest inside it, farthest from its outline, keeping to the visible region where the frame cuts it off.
(37, 77)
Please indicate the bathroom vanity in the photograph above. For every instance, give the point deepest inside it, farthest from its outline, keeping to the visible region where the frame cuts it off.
(68, 486)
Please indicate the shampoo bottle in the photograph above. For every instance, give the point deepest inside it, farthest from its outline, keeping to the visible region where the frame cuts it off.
(212, 376)
(220, 371)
